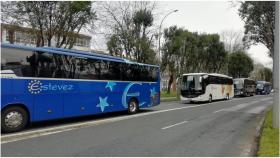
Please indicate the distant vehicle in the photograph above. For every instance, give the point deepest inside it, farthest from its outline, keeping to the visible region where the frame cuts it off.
(196, 87)
(263, 87)
(42, 83)
(244, 87)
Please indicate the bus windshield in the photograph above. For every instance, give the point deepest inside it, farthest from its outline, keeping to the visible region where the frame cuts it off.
(192, 82)
(238, 84)
(259, 86)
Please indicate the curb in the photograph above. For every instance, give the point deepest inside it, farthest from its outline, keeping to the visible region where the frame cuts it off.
(252, 149)
(255, 146)
(166, 98)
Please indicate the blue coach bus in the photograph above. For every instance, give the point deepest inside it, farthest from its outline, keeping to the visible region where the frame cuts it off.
(263, 87)
(45, 83)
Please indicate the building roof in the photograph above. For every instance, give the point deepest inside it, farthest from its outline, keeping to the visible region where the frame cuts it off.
(31, 30)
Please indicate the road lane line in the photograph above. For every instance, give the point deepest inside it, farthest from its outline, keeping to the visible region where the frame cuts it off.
(219, 110)
(265, 99)
(176, 124)
(33, 136)
(237, 107)
(96, 122)
(47, 131)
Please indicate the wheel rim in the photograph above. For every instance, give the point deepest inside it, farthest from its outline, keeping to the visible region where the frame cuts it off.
(13, 119)
(132, 106)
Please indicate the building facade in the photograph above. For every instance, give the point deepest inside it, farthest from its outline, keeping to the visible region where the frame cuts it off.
(24, 36)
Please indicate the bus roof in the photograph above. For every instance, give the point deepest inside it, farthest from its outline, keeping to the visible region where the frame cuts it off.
(74, 53)
(263, 82)
(211, 74)
(243, 79)
(194, 74)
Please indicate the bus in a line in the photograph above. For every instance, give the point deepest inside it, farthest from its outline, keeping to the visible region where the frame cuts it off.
(263, 87)
(195, 87)
(244, 87)
(42, 83)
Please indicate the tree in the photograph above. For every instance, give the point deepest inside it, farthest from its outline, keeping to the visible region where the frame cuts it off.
(232, 40)
(142, 19)
(261, 73)
(240, 65)
(186, 52)
(64, 19)
(267, 74)
(129, 24)
(171, 52)
(114, 46)
(259, 18)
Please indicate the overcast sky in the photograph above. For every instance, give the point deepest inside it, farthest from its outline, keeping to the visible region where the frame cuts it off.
(211, 17)
(207, 17)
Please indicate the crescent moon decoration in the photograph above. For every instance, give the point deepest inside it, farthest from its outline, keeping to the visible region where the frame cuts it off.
(125, 94)
(153, 95)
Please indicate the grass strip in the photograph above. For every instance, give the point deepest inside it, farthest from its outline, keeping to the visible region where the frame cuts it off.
(269, 139)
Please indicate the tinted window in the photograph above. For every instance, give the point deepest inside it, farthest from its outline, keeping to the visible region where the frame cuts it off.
(50, 65)
(218, 80)
(21, 62)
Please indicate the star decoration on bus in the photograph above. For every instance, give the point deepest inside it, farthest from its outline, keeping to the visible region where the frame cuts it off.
(110, 85)
(102, 103)
(153, 92)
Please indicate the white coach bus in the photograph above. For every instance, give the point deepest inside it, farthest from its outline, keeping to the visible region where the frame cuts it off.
(197, 87)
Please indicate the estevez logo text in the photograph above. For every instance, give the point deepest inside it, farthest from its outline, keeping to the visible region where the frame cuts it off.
(36, 87)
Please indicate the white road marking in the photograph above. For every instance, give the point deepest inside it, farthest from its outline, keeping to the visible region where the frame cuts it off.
(176, 124)
(219, 110)
(33, 136)
(89, 123)
(265, 99)
(241, 106)
(244, 105)
(47, 131)
(259, 109)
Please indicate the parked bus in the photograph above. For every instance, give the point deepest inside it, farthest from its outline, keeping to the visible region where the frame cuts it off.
(51, 83)
(263, 87)
(205, 87)
(244, 87)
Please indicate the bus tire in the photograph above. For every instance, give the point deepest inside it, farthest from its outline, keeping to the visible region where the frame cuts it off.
(13, 119)
(227, 96)
(210, 98)
(133, 106)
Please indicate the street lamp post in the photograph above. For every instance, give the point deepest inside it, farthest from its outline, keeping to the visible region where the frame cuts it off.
(159, 34)
(276, 59)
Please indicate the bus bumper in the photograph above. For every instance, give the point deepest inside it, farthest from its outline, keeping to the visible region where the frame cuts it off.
(188, 100)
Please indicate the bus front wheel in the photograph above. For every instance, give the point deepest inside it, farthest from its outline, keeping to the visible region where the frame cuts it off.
(227, 97)
(133, 106)
(13, 119)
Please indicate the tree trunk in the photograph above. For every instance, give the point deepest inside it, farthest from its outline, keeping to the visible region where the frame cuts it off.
(169, 83)
(11, 34)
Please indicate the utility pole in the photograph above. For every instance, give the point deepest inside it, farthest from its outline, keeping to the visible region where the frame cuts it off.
(159, 32)
(276, 67)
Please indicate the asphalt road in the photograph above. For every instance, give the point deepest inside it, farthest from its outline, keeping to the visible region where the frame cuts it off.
(222, 128)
